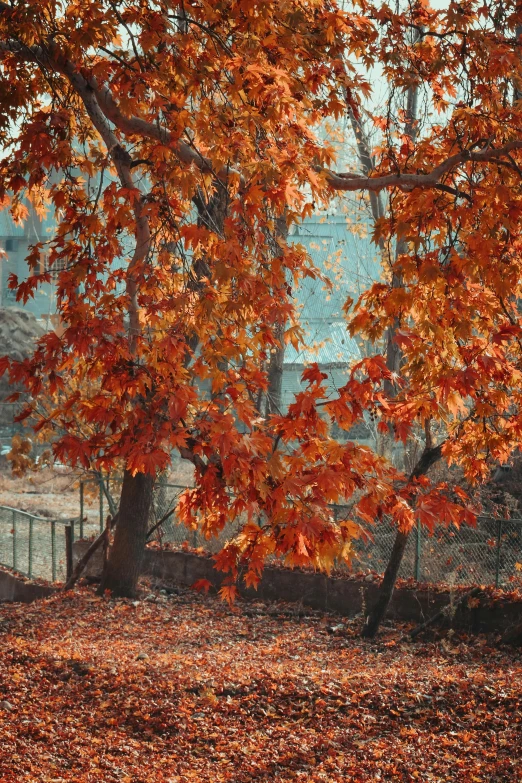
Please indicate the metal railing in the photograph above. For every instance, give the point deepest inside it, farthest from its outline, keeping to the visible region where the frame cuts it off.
(35, 546)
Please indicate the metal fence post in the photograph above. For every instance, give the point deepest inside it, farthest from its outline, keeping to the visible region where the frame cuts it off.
(31, 530)
(81, 508)
(15, 553)
(68, 549)
(53, 549)
(102, 525)
(418, 553)
(499, 543)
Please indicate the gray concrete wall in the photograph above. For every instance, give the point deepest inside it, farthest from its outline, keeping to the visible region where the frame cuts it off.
(14, 588)
(348, 597)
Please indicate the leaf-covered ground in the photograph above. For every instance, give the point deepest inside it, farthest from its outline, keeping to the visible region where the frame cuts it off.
(182, 688)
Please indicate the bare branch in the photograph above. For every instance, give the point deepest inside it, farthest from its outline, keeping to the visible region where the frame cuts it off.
(408, 182)
(365, 157)
(454, 192)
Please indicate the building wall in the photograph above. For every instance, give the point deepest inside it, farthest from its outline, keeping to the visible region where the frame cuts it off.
(351, 263)
(15, 244)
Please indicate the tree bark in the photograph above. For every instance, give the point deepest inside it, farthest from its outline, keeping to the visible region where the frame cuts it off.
(126, 554)
(428, 458)
(274, 392)
(375, 617)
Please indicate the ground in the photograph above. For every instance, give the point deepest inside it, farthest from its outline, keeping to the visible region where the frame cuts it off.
(180, 687)
(55, 492)
(47, 493)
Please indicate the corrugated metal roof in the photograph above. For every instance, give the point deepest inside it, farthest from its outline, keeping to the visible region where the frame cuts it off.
(349, 253)
(8, 228)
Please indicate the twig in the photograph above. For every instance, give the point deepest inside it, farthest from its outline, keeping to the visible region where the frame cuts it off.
(82, 562)
(159, 524)
(442, 613)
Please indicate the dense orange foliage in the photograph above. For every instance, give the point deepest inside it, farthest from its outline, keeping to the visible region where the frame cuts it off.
(169, 139)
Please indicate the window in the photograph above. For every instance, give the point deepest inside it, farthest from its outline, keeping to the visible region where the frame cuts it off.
(11, 245)
(58, 266)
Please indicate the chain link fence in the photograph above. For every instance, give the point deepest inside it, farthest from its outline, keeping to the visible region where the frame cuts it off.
(486, 554)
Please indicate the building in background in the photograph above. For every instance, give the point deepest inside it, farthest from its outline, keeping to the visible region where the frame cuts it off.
(351, 263)
(15, 243)
(346, 256)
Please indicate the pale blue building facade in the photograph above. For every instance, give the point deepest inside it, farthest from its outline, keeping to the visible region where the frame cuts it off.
(348, 258)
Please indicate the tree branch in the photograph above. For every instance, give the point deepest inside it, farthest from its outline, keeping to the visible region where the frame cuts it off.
(408, 182)
(107, 108)
(428, 458)
(454, 192)
(160, 523)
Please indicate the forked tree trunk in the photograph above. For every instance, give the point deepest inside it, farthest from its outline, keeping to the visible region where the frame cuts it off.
(125, 559)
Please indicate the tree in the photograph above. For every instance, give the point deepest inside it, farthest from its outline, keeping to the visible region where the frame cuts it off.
(394, 358)
(180, 135)
(170, 141)
(456, 241)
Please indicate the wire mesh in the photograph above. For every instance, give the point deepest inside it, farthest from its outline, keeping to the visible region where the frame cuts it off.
(31, 545)
(490, 553)
(171, 531)
(485, 554)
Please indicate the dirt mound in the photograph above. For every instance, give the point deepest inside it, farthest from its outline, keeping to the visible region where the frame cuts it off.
(19, 330)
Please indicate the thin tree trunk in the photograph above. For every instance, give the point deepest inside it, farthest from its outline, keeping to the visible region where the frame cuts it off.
(380, 607)
(274, 394)
(428, 458)
(125, 559)
(430, 455)
(393, 357)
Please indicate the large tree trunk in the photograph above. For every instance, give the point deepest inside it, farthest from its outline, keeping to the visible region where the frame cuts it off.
(126, 554)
